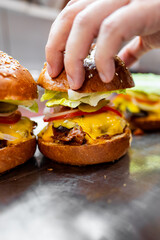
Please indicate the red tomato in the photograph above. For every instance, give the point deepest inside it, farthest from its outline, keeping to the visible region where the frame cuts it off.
(146, 101)
(11, 119)
(129, 98)
(80, 113)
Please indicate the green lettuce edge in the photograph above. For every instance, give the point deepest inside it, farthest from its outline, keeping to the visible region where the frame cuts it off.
(30, 105)
(55, 98)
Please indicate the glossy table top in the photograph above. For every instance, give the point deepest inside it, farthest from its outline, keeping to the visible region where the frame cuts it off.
(45, 200)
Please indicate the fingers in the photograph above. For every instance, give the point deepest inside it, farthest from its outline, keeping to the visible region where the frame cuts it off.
(139, 46)
(127, 22)
(59, 33)
(115, 30)
(133, 51)
(85, 27)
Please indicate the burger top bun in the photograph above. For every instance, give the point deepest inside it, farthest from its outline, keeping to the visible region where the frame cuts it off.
(122, 78)
(16, 83)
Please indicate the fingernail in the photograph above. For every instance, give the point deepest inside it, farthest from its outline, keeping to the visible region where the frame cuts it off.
(49, 69)
(103, 77)
(108, 74)
(71, 83)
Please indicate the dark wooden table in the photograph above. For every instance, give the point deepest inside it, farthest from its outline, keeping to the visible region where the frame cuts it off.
(118, 201)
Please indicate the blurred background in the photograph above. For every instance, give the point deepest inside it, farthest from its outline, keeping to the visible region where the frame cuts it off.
(24, 28)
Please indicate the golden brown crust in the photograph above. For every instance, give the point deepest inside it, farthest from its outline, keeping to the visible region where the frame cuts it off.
(145, 123)
(16, 83)
(122, 79)
(15, 155)
(108, 151)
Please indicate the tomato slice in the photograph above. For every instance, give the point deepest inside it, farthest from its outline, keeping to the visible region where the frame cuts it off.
(129, 98)
(11, 119)
(124, 96)
(78, 113)
(146, 101)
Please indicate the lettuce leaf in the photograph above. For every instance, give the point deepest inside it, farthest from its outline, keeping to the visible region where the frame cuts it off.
(30, 105)
(73, 99)
(63, 102)
(33, 108)
(147, 83)
(53, 94)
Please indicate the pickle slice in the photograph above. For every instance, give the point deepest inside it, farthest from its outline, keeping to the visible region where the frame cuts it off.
(87, 108)
(7, 107)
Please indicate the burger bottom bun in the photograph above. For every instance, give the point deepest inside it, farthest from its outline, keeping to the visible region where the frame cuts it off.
(145, 123)
(108, 151)
(17, 154)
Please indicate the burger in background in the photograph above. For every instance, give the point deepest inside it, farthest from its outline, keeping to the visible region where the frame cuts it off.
(17, 88)
(141, 104)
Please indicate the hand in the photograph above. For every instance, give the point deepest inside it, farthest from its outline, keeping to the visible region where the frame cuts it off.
(113, 22)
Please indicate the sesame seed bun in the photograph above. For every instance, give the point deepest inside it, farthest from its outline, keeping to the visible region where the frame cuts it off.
(122, 79)
(108, 151)
(16, 81)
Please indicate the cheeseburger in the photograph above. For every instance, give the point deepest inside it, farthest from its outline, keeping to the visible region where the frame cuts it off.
(141, 104)
(83, 128)
(17, 88)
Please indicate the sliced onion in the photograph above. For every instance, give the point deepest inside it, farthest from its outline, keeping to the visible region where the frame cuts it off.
(52, 110)
(50, 115)
(7, 137)
(6, 114)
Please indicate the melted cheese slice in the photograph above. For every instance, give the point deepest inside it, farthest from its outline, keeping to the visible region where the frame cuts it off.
(94, 125)
(19, 132)
(122, 104)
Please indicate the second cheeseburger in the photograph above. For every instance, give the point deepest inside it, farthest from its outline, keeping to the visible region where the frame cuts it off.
(83, 128)
(17, 88)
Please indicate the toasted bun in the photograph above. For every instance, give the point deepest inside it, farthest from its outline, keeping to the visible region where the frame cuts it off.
(16, 81)
(145, 123)
(15, 155)
(122, 79)
(108, 151)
